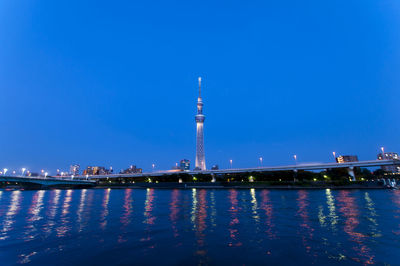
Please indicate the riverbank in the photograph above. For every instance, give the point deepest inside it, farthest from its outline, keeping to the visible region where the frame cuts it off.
(255, 185)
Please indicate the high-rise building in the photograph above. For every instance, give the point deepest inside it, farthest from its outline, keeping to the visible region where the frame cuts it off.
(131, 170)
(200, 156)
(185, 165)
(346, 158)
(389, 156)
(74, 169)
(97, 170)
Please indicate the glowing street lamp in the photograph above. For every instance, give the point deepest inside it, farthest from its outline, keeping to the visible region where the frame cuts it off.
(5, 171)
(23, 170)
(153, 166)
(230, 162)
(334, 155)
(295, 158)
(383, 153)
(261, 161)
(45, 174)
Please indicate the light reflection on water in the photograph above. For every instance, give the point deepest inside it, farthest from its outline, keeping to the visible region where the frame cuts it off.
(13, 209)
(174, 211)
(330, 202)
(351, 214)
(64, 225)
(200, 226)
(305, 230)
(34, 215)
(234, 221)
(266, 205)
(104, 213)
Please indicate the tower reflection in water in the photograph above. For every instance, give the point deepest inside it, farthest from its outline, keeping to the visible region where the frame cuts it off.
(201, 215)
(350, 212)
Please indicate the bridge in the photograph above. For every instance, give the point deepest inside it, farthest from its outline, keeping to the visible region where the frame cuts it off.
(296, 167)
(44, 182)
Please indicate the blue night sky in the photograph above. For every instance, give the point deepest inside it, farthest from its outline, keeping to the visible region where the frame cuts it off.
(115, 82)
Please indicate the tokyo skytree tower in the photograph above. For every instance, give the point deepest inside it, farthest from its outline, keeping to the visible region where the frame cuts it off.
(200, 156)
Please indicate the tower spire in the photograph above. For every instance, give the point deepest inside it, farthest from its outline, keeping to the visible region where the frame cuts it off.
(199, 87)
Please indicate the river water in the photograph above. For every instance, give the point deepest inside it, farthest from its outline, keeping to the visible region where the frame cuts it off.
(199, 226)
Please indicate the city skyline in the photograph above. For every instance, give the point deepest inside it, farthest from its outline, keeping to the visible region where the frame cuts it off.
(281, 80)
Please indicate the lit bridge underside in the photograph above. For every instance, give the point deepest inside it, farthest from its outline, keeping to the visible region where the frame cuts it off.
(306, 167)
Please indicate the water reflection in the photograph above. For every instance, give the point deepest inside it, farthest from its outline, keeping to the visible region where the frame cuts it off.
(36, 206)
(201, 222)
(79, 212)
(174, 211)
(350, 212)
(149, 218)
(307, 231)
(104, 205)
(148, 207)
(396, 200)
(372, 216)
(234, 219)
(321, 216)
(184, 222)
(266, 205)
(51, 211)
(213, 213)
(127, 208)
(254, 205)
(13, 210)
(126, 215)
(194, 206)
(65, 226)
(34, 215)
(330, 201)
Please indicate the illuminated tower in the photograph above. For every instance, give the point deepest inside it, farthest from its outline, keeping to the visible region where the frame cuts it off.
(200, 156)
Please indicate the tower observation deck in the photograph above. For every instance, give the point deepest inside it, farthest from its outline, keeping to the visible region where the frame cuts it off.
(200, 156)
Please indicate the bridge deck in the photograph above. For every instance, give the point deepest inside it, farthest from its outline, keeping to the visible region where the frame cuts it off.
(304, 166)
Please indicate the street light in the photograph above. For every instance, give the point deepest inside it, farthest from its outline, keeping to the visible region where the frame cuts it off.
(383, 153)
(230, 162)
(295, 158)
(334, 155)
(261, 161)
(23, 171)
(45, 174)
(5, 171)
(153, 166)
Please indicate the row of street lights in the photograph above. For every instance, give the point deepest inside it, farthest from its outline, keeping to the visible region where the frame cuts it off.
(295, 158)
